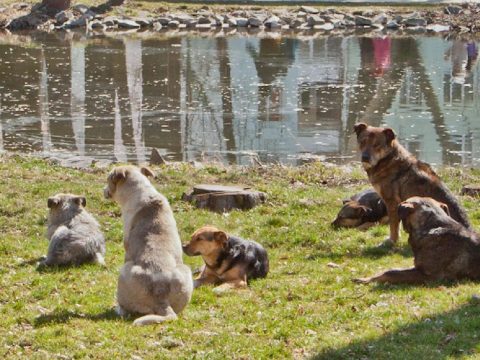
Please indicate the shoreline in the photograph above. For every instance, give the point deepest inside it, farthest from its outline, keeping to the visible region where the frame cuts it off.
(324, 18)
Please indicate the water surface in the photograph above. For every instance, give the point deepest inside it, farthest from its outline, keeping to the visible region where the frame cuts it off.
(231, 98)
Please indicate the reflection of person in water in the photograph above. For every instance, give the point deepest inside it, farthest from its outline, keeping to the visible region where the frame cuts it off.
(472, 53)
(382, 55)
(272, 60)
(463, 56)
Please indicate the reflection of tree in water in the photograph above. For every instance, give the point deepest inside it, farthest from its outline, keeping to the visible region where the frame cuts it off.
(272, 60)
(377, 94)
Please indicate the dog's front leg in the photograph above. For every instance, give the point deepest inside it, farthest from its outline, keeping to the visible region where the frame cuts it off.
(394, 225)
(401, 276)
(206, 277)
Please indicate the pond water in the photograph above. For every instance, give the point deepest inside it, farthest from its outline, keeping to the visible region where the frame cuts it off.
(233, 98)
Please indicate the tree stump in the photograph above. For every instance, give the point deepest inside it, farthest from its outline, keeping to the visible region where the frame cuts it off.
(471, 190)
(57, 5)
(220, 198)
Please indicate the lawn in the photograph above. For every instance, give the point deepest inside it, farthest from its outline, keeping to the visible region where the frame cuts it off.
(308, 307)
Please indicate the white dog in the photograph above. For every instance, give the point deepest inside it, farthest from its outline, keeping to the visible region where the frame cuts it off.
(153, 280)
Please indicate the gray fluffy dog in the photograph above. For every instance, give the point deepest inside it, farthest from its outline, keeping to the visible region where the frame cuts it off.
(74, 234)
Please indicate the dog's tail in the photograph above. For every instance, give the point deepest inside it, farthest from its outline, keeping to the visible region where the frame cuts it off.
(153, 319)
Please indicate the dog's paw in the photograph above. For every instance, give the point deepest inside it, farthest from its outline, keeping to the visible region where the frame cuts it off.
(362, 280)
(220, 290)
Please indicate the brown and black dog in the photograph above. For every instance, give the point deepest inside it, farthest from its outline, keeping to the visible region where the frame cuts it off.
(397, 175)
(229, 260)
(442, 247)
(362, 211)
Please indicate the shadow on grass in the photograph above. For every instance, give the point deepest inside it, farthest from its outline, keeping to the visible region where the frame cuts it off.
(376, 252)
(447, 335)
(64, 316)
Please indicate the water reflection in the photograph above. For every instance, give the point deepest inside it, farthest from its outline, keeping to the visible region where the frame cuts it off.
(231, 98)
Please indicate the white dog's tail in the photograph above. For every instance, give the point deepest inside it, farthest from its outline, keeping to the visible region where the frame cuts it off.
(99, 259)
(153, 319)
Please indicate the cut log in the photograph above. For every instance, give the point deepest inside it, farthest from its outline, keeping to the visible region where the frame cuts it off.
(220, 198)
(471, 190)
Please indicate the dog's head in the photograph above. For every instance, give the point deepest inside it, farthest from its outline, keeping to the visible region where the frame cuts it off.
(66, 203)
(375, 143)
(422, 212)
(352, 214)
(205, 241)
(123, 175)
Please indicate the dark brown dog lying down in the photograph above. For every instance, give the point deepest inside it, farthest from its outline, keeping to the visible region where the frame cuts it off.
(228, 259)
(442, 247)
(362, 210)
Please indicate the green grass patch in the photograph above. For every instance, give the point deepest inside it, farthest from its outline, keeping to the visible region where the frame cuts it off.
(307, 307)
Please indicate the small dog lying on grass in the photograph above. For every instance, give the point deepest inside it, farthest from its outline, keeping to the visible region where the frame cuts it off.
(74, 234)
(153, 281)
(362, 211)
(228, 259)
(442, 247)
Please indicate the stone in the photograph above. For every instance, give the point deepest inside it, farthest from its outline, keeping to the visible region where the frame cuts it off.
(96, 25)
(110, 21)
(296, 23)
(173, 24)
(163, 20)
(242, 22)
(231, 21)
(471, 190)
(392, 24)
(309, 10)
(452, 10)
(183, 18)
(222, 199)
(157, 26)
(438, 27)
(143, 21)
(327, 27)
(127, 24)
(75, 23)
(63, 16)
(380, 19)
(415, 21)
(313, 20)
(203, 26)
(255, 21)
(218, 19)
(362, 21)
(273, 22)
(156, 158)
(205, 20)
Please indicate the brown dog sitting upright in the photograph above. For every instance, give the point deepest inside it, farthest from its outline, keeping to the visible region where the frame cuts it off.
(397, 175)
(228, 259)
(442, 247)
(362, 211)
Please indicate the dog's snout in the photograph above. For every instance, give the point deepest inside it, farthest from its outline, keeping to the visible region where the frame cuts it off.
(365, 157)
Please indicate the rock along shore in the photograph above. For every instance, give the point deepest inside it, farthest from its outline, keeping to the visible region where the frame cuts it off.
(458, 18)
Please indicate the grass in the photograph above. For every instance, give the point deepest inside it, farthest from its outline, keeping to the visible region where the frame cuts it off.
(308, 307)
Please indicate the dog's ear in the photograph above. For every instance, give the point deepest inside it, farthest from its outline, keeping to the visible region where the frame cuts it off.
(389, 134)
(358, 128)
(52, 202)
(147, 172)
(221, 237)
(118, 174)
(81, 200)
(405, 209)
(445, 208)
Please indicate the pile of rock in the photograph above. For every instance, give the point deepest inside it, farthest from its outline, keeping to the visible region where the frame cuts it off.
(463, 18)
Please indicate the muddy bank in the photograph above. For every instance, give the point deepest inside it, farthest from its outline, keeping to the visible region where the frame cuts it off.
(458, 18)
